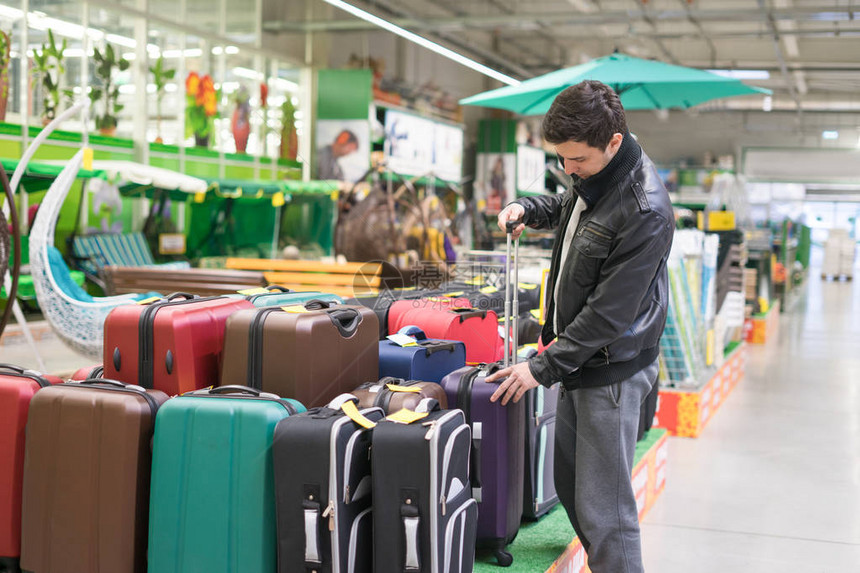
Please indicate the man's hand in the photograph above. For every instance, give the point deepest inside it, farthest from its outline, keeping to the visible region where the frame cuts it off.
(513, 212)
(519, 381)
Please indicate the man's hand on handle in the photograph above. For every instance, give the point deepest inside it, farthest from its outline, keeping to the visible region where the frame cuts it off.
(513, 212)
(519, 381)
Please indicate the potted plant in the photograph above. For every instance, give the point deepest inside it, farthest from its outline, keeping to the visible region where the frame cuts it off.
(106, 62)
(162, 76)
(241, 121)
(48, 65)
(289, 137)
(5, 44)
(201, 107)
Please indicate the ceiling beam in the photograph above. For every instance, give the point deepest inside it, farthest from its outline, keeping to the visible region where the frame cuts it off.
(833, 13)
(781, 59)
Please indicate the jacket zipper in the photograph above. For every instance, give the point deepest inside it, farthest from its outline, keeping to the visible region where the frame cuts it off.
(606, 354)
(594, 231)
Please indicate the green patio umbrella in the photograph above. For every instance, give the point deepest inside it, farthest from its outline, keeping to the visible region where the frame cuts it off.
(642, 84)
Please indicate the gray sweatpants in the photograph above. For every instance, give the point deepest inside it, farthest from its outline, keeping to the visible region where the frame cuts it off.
(595, 439)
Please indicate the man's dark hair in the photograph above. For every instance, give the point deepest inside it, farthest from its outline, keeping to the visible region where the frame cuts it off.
(346, 136)
(588, 112)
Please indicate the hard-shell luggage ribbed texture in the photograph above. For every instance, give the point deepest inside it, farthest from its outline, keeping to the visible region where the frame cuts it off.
(86, 478)
(173, 345)
(424, 516)
(312, 356)
(17, 388)
(213, 503)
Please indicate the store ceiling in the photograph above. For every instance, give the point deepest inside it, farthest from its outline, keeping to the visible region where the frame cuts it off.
(810, 49)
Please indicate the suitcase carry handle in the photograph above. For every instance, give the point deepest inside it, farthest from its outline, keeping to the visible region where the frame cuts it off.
(465, 313)
(318, 304)
(414, 331)
(184, 295)
(278, 288)
(109, 382)
(346, 320)
(433, 346)
(231, 389)
(11, 368)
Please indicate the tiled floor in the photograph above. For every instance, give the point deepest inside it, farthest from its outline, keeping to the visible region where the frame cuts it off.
(773, 483)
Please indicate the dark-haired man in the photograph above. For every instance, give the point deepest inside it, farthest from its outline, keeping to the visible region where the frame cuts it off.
(327, 157)
(607, 295)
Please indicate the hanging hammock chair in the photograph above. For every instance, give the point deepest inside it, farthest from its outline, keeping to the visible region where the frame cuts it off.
(76, 317)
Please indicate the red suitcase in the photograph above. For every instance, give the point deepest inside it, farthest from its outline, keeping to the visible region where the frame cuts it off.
(17, 387)
(88, 372)
(452, 319)
(173, 344)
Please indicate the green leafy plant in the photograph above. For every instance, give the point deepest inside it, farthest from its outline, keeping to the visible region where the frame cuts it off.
(161, 75)
(49, 66)
(106, 63)
(5, 41)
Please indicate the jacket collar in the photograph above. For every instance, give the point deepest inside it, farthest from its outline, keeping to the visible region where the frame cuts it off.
(593, 189)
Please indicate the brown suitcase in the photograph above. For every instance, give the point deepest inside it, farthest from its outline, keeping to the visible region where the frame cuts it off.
(86, 478)
(310, 353)
(393, 394)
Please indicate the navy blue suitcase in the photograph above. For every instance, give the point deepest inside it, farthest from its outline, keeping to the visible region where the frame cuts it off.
(429, 360)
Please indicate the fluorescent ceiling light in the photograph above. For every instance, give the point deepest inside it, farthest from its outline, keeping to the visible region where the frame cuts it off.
(250, 74)
(421, 41)
(829, 134)
(743, 74)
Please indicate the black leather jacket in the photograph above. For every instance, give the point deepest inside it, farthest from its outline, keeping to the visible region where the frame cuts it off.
(614, 287)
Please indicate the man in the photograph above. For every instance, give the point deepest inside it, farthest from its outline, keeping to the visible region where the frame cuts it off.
(607, 295)
(327, 157)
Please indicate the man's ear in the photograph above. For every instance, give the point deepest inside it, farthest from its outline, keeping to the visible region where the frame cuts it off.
(616, 140)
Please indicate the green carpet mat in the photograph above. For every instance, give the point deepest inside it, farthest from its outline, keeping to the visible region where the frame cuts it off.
(539, 544)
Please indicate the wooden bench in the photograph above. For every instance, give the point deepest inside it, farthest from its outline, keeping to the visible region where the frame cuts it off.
(344, 279)
(205, 282)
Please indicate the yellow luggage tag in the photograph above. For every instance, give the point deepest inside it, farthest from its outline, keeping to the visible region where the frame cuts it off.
(478, 280)
(253, 291)
(527, 286)
(349, 408)
(489, 290)
(149, 300)
(453, 294)
(405, 416)
(398, 388)
(535, 312)
(296, 308)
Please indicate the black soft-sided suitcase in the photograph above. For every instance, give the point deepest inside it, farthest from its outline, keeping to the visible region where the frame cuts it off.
(323, 490)
(424, 517)
(648, 411)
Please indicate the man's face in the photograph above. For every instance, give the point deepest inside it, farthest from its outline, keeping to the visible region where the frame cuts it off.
(582, 160)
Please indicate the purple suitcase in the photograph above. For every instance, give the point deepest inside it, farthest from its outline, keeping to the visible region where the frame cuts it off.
(498, 462)
(498, 467)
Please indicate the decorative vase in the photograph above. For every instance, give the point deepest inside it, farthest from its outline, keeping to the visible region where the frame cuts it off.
(201, 140)
(241, 128)
(289, 143)
(108, 131)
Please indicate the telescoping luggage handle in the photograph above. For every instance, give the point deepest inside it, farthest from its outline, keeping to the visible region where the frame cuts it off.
(509, 322)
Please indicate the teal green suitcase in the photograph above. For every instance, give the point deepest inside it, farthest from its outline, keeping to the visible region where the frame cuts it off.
(281, 296)
(212, 500)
